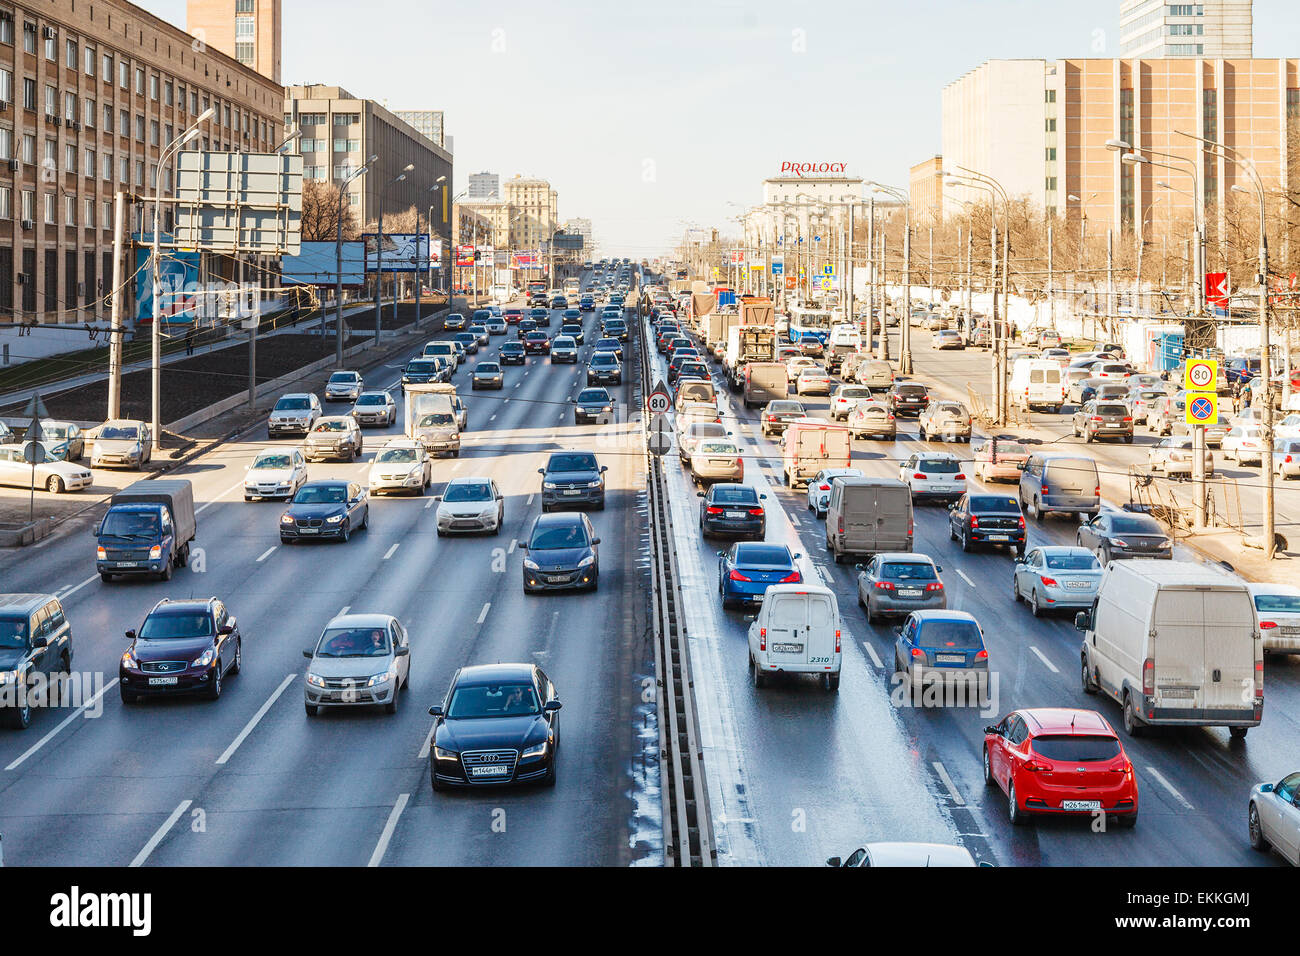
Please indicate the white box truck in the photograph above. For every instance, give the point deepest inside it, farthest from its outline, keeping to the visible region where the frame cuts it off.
(811, 444)
(1174, 643)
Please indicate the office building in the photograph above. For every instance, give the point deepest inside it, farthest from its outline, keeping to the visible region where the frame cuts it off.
(925, 191)
(429, 123)
(484, 186)
(581, 227)
(248, 30)
(1214, 29)
(536, 204)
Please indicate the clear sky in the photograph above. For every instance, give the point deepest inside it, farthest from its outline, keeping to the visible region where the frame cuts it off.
(647, 114)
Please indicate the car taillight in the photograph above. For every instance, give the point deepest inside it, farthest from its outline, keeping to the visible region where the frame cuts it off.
(713, 510)
(885, 585)
(794, 577)
(1044, 489)
(737, 576)
(1259, 683)
(960, 477)
(1287, 459)
(1033, 766)
(762, 638)
(1021, 519)
(909, 526)
(919, 475)
(1149, 677)
(1127, 418)
(1096, 491)
(824, 487)
(837, 640)
(934, 586)
(983, 655)
(974, 521)
(1096, 418)
(755, 511)
(1050, 582)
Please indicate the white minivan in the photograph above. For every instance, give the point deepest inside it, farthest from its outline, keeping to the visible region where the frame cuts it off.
(796, 631)
(1037, 382)
(1174, 642)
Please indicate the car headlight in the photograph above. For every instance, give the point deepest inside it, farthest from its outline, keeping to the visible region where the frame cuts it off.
(315, 680)
(100, 553)
(442, 754)
(549, 485)
(586, 562)
(606, 409)
(530, 564)
(334, 519)
(286, 518)
(594, 484)
(155, 552)
(129, 661)
(206, 658)
(538, 750)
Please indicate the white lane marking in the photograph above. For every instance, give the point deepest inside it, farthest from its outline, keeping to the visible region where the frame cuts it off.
(517, 384)
(947, 782)
(209, 504)
(267, 553)
(962, 574)
(1046, 663)
(261, 712)
(482, 615)
(66, 720)
(506, 402)
(1160, 778)
(428, 504)
(382, 846)
(529, 501)
(561, 417)
(493, 418)
(424, 747)
(160, 833)
(391, 551)
(77, 587)
(511, 549)
(871, 652)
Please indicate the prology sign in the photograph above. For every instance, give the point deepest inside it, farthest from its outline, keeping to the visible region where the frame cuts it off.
(799, 169)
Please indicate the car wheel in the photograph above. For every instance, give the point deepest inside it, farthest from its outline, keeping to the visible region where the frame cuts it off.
(1132, 724)
(756, 672)
(345, 532)
(1015, 589)
(128, 698)
(952, 533)
(239, 657)
(965, 540)
(1104, 556)
(1015, 816)
(365, 521)
(1085, 677)
(1038, 510)
(1238, 733)
(1034, 608)
(105, 577)
(55, 485)
(988, 769)
(391, 706)
(166, 573)
(1257, 841)
(831, 682)
(214, 689)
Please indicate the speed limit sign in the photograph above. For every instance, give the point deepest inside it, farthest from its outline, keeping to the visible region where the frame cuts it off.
(659, 402)
(1200, 374)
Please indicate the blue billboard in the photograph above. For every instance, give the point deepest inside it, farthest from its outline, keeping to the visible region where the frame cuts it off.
(178, 278)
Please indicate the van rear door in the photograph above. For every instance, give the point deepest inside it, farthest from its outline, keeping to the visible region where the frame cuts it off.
(786, 625)
(1201, 634)
(893, 519)
(819, 640)
(858, 515)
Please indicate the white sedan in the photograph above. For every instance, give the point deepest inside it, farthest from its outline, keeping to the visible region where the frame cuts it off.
(1274, 817)
(401, 465)
(1243, 444)
(1278, 608)
(819, 489)
(54, 476)
(275, 473)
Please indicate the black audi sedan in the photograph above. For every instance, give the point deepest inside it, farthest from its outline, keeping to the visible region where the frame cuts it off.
(733, 510)
(183, 647)
(561, 552)
(987, 519)
(325, 509)
(499, 724)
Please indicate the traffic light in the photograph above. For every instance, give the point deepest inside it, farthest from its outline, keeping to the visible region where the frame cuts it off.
(477, 254)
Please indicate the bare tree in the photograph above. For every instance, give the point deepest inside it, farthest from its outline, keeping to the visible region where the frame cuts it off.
(398, 222)
(320, 213)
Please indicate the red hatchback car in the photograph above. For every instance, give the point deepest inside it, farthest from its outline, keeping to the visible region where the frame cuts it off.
(1058, 760)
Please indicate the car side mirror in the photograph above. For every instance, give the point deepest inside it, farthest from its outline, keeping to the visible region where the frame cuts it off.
(699, 494)
(1083, 621)
(604, 468)
(40, 640)
(226, 629)
(401, 651)
(1020, 466)
(552, 706)
(308, 653)
(938, 570)
(437, 497)
(834, 861)
(992, 729)
(1265, 788)
(541, 471)
(749, 618)
(435, 710)
(898, 629)
(762, 497)
(595, 541)
(953, 506)
(130, 635)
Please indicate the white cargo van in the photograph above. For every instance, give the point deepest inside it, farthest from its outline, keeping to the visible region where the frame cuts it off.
(1037, 383)
(1174, 642)
(796, 631)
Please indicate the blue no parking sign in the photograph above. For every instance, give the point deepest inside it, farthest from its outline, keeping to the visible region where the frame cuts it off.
(1202, 408)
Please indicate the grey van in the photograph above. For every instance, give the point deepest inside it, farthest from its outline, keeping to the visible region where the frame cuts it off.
(866, 516)
(35, 647)
(1059, 483)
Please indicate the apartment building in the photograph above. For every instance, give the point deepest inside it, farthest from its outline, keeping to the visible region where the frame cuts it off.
(91, 93)
(925, 191)
(1213, 29)
(484, 186)
(248, 30)
(536, 208)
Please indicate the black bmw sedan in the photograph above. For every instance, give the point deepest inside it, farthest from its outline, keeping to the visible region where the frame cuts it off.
(498, 724)
(325, 509)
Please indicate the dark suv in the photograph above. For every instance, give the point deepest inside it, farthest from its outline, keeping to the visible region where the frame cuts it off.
(573, 478)
(1103, 420)
(908, 397)
(183, 647)
(35, 639)
(604, 368)
(987, 519)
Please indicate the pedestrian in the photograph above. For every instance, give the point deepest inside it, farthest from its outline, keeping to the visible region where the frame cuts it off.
(190, 336)
(1236, 398)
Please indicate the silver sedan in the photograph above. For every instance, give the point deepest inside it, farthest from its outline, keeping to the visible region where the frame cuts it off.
(1056, 576)
(1274, 817)
(899, 583)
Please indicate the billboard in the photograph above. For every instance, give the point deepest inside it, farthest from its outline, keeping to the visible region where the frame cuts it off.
(239, 202)
(317, 264)
(464, 256)
(563, 240)
(403, 252)
(178, 278)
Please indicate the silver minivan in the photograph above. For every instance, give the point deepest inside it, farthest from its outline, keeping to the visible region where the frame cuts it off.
(866, 516)
(1059, 483)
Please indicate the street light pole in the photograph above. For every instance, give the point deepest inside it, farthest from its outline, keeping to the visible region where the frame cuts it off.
(338, 255)
(379, 255)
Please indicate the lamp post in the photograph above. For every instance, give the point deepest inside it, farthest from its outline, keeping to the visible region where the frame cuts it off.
(379, 252)
(338, 255)
(186, 136)
(905, 321)
(419, 281)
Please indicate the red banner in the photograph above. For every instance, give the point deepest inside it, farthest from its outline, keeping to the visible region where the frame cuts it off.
(1216, 289)
(464, 255)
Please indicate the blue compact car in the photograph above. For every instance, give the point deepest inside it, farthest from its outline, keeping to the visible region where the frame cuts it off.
(747, 569)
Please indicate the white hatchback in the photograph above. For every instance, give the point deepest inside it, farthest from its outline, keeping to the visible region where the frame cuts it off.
(819, 489)
(934, 476)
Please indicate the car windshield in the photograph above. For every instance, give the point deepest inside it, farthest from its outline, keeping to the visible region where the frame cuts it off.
(951, 408)
(170, 625)
(943, 466)
(718, 448)
(763, 554)
(908, 571)
(435, 419)
(56, 431)
(1073, 562)
(1076, 748)
(489, 368)
(993, 503)
(556, 537)
(373, 398)
(964, 635)
(342, 378)
(119, 432)
(328, 425)
(272, 461)
(493, 700)
(422, 367)
(743, 495)
(1111, 410)
(515, 347)
(13, 632)
(353, 642)
(572, 463)
(1278, 602)
(604, 359)
(130, 524)
(910, 389)
(1135, 525)
(854, 391)
(321, 495)
(593, 395)
(291, 404)
(468, 491)
(396, 456)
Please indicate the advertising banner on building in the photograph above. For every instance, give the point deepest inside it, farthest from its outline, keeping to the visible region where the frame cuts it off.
(178, 279)
(1216, 289)
(318, 264)
(464, 256)
(403, 252)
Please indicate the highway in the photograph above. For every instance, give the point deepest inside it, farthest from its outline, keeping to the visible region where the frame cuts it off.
(250, 779)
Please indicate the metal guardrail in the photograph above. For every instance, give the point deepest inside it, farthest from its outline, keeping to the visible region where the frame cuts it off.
(687, 824)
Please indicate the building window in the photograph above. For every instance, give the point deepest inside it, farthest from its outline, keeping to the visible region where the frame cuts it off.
(169, 93)
(88, 108)
(108, 118)
(154, 132)
(70, 54)
(344, 170)
(347, 145)
(123, 123)
(7, 31)
(124, 169)
(51, 101)
(106, 68)
(51, 47)
(1293, 103)
(29, 205)
(1210, 130)
(313, 172)
(29, 37)
(88, 210)
(91, 166)
(244, 28)
(244, 52)
(29, 149)
(88, 56)
(1126, 176)
(51, 210)
(29, 93)
(167, 134)
(107, 220)
(124, 74)
(307, 119)
(51, 151)
(244, 6)
(6, 143)
(194, 101)
(139, 127)
(107, 173)
(139, 81)
(1051, 154)
(1051, 125)
(139, 172)
(69, 157)
(6, 202)
(346, 119)
(226, 111)
(69, 209)
(1051, 96)
(6, 86)
(70, 107)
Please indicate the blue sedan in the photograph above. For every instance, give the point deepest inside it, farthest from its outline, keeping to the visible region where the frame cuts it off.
(746, 570)
(1056, 577)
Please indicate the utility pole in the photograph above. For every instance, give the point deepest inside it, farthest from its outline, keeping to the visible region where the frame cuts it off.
(847, 278)
(1110, 282)
(882, 350)
(115, 321)
(970, 290)
(998, 411)
(1266, 370)
(1051, 294)
(930, 270)
(905, 350)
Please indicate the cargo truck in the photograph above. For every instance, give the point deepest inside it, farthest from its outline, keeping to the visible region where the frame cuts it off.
(435, 417)
(719, 327)
(745, 344)
(147, 529)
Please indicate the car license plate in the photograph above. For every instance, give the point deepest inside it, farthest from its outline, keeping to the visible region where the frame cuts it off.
(1181, 693)
(1078, 585)
(557, 578)
(161, 681)
(949, 658)
(909, 593)
(128, 564)
(787, 648)
(490, 771)
(1080, 804)
(997, 537)
(572, 491)
(735, 514)
(1291, 632)
(308, 530)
